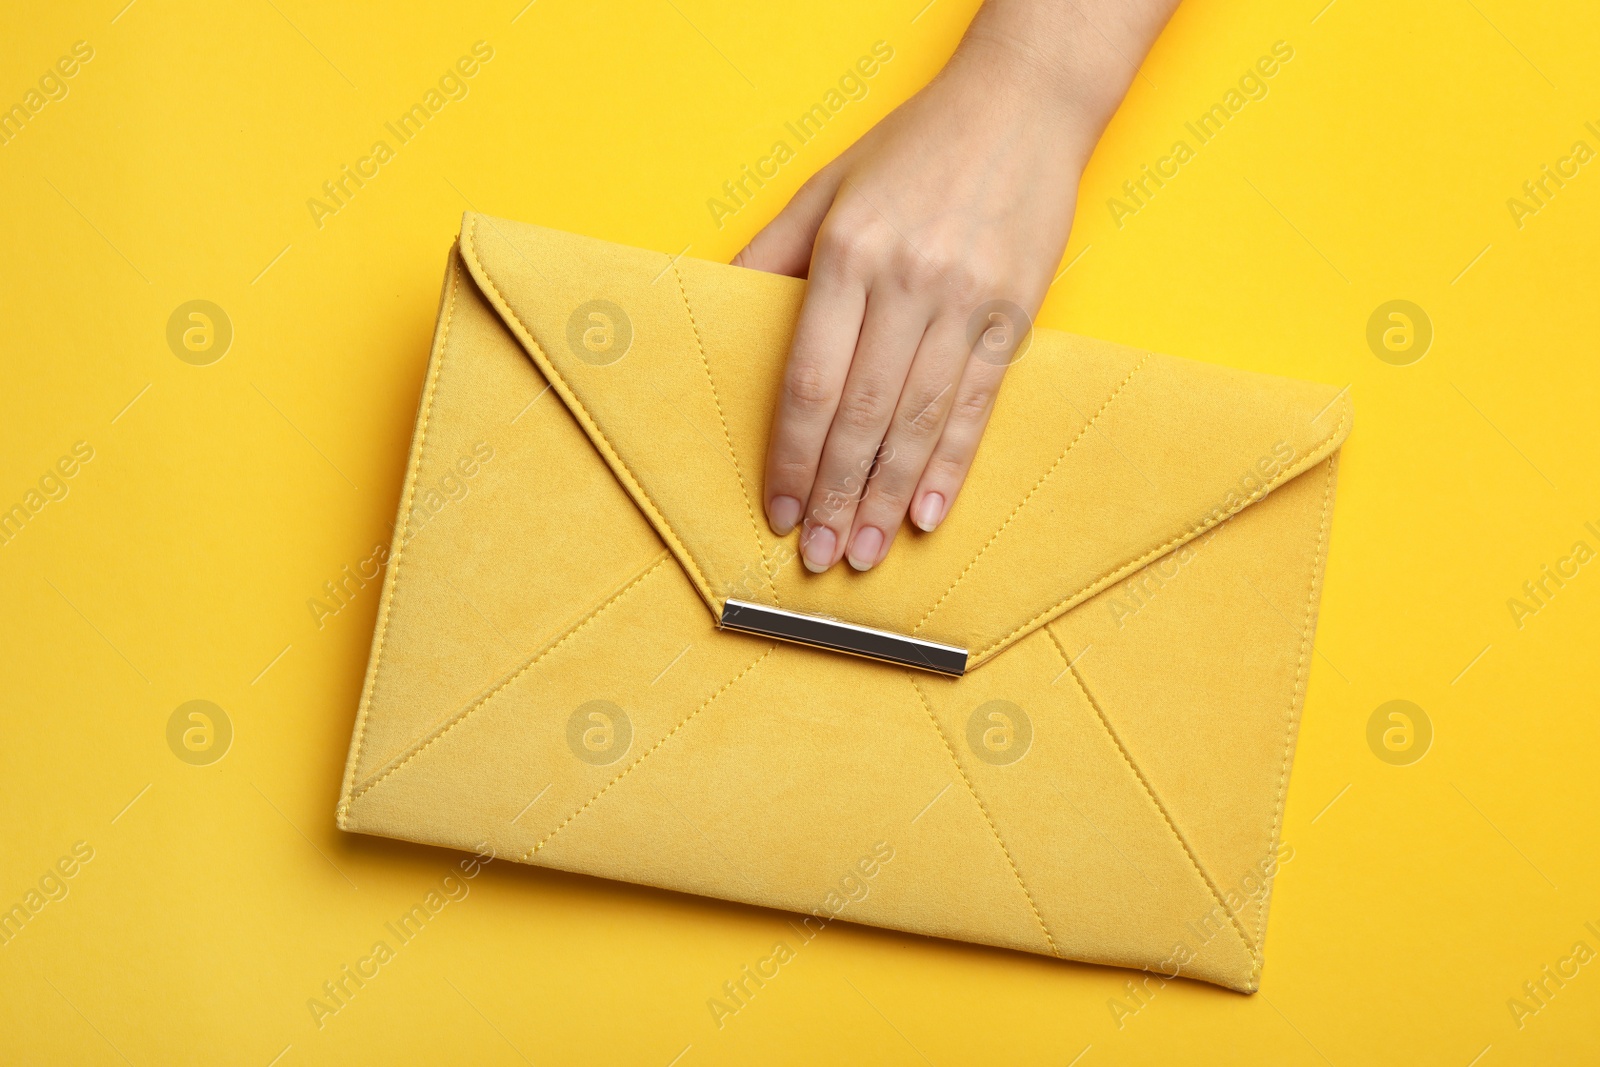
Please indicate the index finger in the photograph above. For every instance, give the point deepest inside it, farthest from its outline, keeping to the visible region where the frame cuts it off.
(819, 360)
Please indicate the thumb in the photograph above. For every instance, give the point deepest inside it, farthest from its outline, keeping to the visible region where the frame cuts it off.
(784, 245)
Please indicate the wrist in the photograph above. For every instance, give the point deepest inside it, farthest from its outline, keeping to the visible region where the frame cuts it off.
(1019, 79)
(1059, 61)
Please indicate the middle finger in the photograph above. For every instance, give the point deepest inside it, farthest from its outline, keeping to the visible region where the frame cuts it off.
(892, 329)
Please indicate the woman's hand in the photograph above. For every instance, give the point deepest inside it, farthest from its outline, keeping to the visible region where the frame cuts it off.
(926, 243)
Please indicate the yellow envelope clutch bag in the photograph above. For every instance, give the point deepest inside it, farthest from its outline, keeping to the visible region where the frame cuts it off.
(1063, 723)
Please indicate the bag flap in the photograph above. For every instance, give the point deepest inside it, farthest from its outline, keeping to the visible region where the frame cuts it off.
(1099, 459)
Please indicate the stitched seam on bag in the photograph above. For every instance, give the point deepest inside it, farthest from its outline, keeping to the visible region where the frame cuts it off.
(647, 753)
(727, 436)
(1062, 649)
(462, 716)
(1275, 825)
(984, 808)
(597, 435)
(1116, 575)
(1194, 860)
(1036, 486)
(403, 536)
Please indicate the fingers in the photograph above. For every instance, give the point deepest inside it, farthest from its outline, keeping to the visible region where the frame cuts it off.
(890, 334)
(952, 457)
(784, 245)
(813, 381)
(913, 433)
(884, 398)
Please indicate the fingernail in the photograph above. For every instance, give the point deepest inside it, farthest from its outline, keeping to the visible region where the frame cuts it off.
(929, 513)
(782, 514)
(816, 548)
(864, 548)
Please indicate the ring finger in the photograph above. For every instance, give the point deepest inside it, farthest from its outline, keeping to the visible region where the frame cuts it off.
(918, 422)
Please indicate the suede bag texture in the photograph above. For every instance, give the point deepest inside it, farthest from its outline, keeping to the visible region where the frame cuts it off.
(1135, 565)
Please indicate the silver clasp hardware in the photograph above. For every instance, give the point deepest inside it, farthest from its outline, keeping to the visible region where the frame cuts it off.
(836, 636)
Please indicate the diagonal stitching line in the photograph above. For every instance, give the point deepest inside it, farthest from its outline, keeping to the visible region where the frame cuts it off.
(1297, 693)
(1311, 459)
(1060, 648)
(1051, 941)
(647, 753)
(1188, 851)
(641, 496)
(402, 538)
(744, 489)
(1036, 485)
(462, 715)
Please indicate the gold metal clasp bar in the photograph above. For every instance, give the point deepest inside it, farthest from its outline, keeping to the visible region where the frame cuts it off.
(836, 636)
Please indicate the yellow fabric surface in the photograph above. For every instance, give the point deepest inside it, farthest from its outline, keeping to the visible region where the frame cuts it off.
(1127, 811)
(213, 526)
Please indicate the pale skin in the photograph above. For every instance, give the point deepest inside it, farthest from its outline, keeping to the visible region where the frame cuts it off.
(961, 196)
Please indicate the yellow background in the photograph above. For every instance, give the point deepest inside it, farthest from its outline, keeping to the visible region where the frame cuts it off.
(1420, 898)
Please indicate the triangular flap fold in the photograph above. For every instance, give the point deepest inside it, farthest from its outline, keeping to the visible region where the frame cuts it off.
(1097, 460)
(611, 329)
